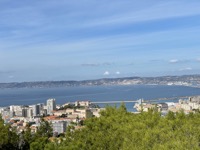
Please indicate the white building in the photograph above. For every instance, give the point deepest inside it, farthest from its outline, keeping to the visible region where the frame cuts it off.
(193, 103)
(59, 126)
(15, 108)
(83, 103)
(5, 113)
(30, 112)
(51, 105)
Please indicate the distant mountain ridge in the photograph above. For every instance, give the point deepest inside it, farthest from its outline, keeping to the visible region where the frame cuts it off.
(185, 80)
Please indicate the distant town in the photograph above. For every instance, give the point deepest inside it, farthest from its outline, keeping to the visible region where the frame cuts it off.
(191, 104)
(61, 116)
(185, 80)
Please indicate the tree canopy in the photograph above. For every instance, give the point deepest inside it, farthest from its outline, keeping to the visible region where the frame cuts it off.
(117, 129)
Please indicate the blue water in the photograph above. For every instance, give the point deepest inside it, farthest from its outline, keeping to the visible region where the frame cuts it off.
(93, 93)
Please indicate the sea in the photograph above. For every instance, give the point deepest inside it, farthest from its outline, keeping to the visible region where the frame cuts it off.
(29, 96)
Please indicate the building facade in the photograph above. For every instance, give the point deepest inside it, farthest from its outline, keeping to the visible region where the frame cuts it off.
(51, 106)
(59, 127)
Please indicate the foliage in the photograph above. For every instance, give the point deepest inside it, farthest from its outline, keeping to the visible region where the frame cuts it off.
(8, 138)
(118, 129)
(45, 129)
(41, 137)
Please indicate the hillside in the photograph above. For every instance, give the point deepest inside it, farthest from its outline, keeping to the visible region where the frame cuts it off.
(186, 80)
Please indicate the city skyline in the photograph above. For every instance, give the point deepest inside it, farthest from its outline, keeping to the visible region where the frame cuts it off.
(69, 40)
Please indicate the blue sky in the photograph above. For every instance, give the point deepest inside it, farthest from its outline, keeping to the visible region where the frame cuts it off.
(90, 39)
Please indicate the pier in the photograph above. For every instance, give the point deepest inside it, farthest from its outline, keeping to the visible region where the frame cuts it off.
(113, 102)
(146, 100)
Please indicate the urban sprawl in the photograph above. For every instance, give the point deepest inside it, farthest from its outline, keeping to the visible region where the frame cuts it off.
(61, 116)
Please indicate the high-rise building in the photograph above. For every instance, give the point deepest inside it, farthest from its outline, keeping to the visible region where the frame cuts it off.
(36, 110)
(30, 112)
(24, 112)
(51, 105)
(12, 114)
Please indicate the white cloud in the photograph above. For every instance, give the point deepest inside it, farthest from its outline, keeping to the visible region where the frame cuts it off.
(117, 72)
(173, 61)
(96, 64)
(106, 73)
(198, 59)
(185, 69)
(11, 76)
(153, 12)
(90, 64)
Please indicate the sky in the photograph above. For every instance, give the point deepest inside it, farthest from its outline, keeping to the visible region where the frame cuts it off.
(43, 40)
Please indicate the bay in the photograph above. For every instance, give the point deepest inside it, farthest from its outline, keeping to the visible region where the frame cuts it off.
(63, 95)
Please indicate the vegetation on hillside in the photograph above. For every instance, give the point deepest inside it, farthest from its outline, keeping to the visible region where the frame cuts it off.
(116, 129)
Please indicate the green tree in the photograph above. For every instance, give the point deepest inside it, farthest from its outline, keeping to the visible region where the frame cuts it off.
(41, 137)
(118, 129)
(45, 129)
(39, 143)
(8, 138)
